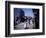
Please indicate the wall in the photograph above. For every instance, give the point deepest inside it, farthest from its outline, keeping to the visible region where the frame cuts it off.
(2, 20)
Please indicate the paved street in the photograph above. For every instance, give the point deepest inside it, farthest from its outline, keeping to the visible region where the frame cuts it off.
(23, 25)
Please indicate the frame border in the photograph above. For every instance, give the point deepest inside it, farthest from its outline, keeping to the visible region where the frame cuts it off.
(7, 18)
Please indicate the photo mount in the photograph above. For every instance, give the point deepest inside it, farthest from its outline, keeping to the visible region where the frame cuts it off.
(7, 18)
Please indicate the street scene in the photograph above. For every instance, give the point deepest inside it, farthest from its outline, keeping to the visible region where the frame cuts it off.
(24, 18)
